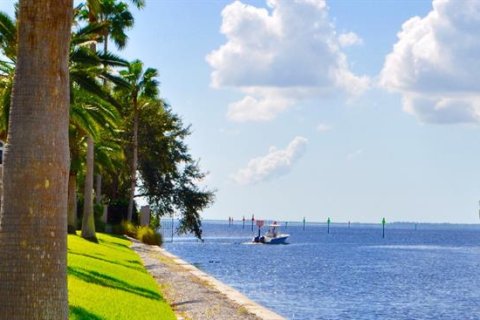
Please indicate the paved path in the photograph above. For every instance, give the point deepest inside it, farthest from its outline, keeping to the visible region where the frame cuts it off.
(193, 294)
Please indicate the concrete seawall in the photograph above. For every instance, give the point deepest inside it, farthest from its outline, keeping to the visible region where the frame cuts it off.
(196, 295)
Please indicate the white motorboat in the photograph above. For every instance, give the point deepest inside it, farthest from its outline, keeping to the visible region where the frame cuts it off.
(273, 236)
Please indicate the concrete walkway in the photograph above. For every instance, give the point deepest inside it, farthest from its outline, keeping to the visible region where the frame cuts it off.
(193, 294)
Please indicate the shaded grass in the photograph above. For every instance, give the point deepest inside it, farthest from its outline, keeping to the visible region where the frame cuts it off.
(139, 267)
(81, 313)
(108, 281)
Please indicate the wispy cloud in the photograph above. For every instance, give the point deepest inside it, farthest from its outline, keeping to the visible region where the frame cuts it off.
(274, 164)
(355, 154)
(349, 39)
(323, 127)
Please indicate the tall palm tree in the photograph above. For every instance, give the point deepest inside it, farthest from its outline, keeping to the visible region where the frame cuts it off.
(119, 19)
(33, 221)
(89, 68)
(7, 72)
(90, 116)
(143, 88)
(101, 99)
(8, 44)
(85, 67)
(109, 155)
(93, 11)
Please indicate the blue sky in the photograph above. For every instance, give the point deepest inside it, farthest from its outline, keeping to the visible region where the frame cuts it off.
(353, 110)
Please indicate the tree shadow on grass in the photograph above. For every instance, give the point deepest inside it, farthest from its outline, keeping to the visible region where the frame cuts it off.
(136, 268)
(112, 282)
(80, 313)
(113, 243)
(134, 262)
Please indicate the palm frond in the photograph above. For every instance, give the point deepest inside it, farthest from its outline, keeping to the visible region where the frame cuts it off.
(83, 57)
(88, 83)
(111, 60)
(83, 120)
(94, 7)
(8, 35)
(118, 81)
(92, 32)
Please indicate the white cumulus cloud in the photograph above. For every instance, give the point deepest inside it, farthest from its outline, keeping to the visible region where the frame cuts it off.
(280, 55)
(435, 64)
(274, 164)
(349, 39)
(259, 105)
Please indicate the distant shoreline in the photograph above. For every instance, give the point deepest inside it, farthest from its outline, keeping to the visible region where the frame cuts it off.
(297, 223)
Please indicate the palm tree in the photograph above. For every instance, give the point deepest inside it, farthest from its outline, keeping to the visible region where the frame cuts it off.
(109, 155)
(7, 72)
(119, 19)
(93, 12)
(85, 68)
(33, 221)
(143, 89)
(90, 116)
(8, 43)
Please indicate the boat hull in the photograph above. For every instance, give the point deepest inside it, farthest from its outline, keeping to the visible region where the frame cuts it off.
(277, 240)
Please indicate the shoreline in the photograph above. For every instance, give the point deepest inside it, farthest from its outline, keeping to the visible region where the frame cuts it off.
(195, 295)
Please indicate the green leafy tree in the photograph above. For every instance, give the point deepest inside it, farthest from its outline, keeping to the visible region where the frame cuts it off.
(169, 175)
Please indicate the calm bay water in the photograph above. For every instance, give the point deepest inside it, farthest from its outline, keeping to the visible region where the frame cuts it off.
(352, 273)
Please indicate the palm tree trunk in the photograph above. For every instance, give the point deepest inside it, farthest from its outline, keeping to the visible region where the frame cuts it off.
(98, 189)
(72, 203)
(88, 222)
(98, 185)
(133, 173)
(33, 219)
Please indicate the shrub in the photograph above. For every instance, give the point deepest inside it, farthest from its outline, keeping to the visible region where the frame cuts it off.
(154, 221)
(98, 216)
(100, 226)
(149, 236)
(129, 229)
(98, 211)
(117, 229)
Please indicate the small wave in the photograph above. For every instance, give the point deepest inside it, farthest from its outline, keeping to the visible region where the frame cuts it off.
(419, 247)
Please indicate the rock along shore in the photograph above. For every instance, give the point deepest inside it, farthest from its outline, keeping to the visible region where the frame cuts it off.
(193, 294)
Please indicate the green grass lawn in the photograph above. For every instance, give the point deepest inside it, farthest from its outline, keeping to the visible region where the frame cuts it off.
(108, 281)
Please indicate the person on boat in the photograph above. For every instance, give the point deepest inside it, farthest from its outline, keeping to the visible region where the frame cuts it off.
(274, 230)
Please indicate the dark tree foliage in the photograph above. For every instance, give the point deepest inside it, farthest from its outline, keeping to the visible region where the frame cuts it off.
(169, 174)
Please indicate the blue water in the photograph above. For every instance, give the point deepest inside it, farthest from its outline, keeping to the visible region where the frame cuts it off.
(352, 273)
